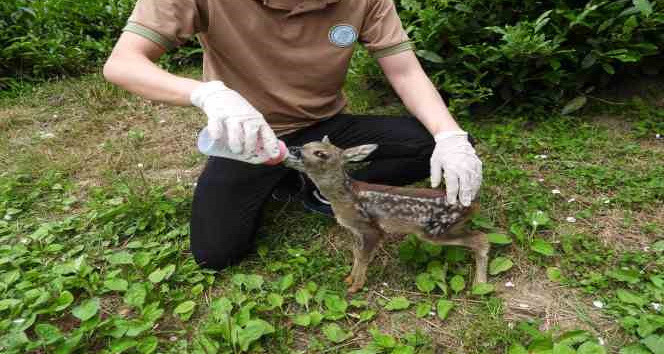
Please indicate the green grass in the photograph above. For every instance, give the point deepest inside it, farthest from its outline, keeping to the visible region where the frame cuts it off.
(95, 196)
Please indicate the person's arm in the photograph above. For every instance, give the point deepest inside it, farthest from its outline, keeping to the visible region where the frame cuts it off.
(453, 153)
(418, 94)
(131, 66)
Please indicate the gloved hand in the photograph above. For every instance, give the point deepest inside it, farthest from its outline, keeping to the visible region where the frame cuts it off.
(463, 169)
(233, 119)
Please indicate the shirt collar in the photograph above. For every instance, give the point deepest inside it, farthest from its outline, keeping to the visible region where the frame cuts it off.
(298, 6)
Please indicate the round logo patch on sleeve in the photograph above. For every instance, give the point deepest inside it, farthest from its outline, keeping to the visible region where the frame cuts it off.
(343, 35)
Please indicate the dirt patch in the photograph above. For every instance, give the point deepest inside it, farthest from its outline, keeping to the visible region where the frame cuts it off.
(557, 307)
(622, 231)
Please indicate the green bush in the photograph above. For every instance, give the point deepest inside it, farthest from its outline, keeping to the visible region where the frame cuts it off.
(46, 38)
(535, 52)
(497, 51)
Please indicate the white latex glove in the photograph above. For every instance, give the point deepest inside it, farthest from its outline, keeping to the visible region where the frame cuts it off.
(463, 169)
(232, 118)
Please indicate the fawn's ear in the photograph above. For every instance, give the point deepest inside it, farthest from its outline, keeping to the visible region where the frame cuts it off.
(358, 153)
(326, 139)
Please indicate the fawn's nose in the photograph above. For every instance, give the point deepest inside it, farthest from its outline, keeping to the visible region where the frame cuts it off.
(296, 151)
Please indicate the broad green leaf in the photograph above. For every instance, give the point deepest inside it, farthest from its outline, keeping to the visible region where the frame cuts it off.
(383, 340)
(275, 300)
(303, 320)
(359, 303)
(334, 333)
(542, 247)
(429, 56)
(658, 246)
(63, 301)
(574, 105)
(499, 239)
(397, 303)
(573, 338)
(630, 276)
(48, 332)
(517, 349)
(317, 317)
(121, 345)
(116, 284)
(658, 281)
(86, 310)
(147, 345)
(482, 289)
(221, 307)
(542, 344)
(254, 282)
(285, 282)
(367, 315)
(591, 348)
(457, 283)
(499, 265)
(136, 294)
(635, 348)
(122, 257)
(184, 309)
(425, 283)
(423, 309)
(553, 274)
(253, 331)
(630, 297)
(8, 303)
(644, 6)
(655, 343)
(302, 297)
(562, 349)
(443, 308)
(162, 273)
(403, 349)
(335, 304)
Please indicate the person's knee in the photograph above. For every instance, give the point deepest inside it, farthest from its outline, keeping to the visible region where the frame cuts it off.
(220, 257)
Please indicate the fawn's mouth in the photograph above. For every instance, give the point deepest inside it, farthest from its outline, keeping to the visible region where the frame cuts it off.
(294, 158)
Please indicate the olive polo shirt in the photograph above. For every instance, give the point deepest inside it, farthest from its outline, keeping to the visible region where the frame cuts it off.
(288, 58)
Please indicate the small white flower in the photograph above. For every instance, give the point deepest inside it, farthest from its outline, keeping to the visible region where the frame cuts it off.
(45, 135)
(607, 201)
(570, 219)
(658, 136)
(600, 340)
(55, 116)
(541, 157)
(25, 241)
(162, 121)
(540, 180)
(656, 306)
(524, 306)
(571, 200)
(646, 249)
(173, 338)
(598, 304)
(432, 313)
(385, 284)
(555, 191)
(7, 217)
(509, 284)
(510, 325)
(140, 165)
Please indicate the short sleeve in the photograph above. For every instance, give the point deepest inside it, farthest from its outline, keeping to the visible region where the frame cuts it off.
(168, 23)
(382, 32)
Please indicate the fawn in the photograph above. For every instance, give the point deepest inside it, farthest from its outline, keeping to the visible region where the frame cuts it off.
(373, 211)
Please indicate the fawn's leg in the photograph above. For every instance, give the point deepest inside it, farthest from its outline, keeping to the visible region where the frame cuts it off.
(363, 252)
(477, 242)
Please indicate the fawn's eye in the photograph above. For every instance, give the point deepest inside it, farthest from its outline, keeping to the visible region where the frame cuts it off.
(321, 155)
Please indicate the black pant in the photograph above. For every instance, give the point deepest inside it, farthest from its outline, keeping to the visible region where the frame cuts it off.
(230, 195)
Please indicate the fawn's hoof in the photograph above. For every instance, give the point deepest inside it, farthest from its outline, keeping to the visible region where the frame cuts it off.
(349, 280)
(354, 288)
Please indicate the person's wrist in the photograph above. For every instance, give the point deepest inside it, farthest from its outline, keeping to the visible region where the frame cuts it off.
(445, 134)
(203, 91)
